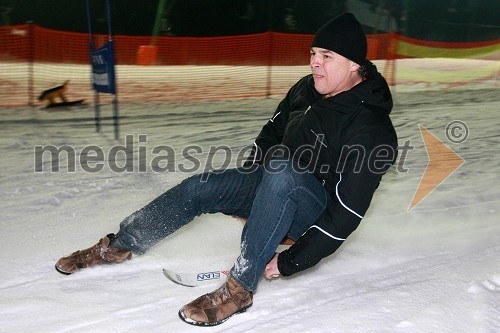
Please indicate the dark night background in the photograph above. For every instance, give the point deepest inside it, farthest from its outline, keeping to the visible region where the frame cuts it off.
(439, 20)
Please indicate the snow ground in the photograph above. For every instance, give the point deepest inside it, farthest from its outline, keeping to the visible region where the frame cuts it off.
(435, 268)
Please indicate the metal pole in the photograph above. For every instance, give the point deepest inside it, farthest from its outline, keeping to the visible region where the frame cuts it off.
(108, 11)
(116, 123)
(115, 117)
(96, 94)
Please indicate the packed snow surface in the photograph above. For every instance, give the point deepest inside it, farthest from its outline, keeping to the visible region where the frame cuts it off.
(435, 268)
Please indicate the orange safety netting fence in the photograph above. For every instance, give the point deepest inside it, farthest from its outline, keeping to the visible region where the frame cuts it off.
(33, 58)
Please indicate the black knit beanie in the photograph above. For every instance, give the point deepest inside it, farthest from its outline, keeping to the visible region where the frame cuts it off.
(343, 35)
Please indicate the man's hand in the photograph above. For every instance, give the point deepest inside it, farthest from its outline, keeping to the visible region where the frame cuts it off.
(271, 270)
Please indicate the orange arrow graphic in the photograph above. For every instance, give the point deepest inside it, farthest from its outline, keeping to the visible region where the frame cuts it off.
(442, 163)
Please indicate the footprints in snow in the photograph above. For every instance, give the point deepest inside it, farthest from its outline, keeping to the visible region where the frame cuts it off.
(489, 285)
(57, 198)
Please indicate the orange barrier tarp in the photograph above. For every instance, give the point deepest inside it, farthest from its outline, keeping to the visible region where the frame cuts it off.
(25, 42)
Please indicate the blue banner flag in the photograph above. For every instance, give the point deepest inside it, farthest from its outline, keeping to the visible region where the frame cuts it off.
(103, 68)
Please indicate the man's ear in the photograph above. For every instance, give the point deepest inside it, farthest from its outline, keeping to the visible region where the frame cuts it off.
(354, 66)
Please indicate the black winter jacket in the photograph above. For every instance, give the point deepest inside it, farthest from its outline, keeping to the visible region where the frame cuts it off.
(348, 141)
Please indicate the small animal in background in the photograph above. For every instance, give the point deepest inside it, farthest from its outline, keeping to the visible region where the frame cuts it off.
(54, 93)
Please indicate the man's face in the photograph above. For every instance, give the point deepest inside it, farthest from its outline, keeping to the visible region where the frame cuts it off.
(332, 72)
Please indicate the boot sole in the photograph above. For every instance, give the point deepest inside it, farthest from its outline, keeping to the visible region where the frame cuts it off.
(62, 272)
(202, 324)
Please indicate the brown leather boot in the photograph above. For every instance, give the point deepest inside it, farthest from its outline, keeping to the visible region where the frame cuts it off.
(99, 254)
(216, 307)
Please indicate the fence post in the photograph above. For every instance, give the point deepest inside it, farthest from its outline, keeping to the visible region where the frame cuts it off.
(270, 35)
(269, 72)
(31, 60)
(390, 68)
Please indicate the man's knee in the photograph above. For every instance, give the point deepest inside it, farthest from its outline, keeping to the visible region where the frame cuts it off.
(279, 177)
(198, 188)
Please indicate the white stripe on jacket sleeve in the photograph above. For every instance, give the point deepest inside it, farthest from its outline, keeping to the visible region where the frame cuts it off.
(340, 200)
(326, 233)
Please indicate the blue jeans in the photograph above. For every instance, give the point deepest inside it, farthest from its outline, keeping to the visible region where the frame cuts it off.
(277, 200)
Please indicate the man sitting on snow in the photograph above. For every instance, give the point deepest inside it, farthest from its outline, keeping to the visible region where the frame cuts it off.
(335, 141)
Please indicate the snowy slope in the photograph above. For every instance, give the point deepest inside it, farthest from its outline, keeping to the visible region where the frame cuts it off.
(435, 268)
